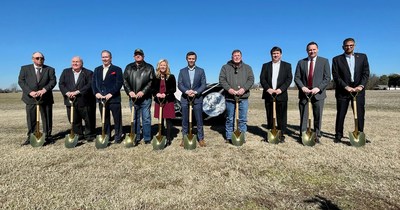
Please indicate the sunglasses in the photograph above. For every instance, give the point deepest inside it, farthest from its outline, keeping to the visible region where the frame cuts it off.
(39, 58)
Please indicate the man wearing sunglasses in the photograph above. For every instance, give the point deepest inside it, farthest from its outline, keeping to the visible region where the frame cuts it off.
(37, 82)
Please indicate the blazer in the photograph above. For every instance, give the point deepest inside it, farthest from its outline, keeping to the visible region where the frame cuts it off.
(342, 77)
(283, 82)
(199, 84)
(111, 84)
(83, 84)
(27, 82)
(321, 77)
(170, 84)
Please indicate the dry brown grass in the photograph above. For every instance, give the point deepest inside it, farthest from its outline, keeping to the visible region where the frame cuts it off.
(255, 176)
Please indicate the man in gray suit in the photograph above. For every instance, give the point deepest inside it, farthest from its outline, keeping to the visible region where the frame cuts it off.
(37, 82)
(312, 76)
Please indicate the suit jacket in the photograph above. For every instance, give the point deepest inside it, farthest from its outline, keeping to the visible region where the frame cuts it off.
(27, 82)
(321, 76)
(170, 84)
(199, 84)
(83, 84)
(342, 77)
(111, 84)
(283, 82)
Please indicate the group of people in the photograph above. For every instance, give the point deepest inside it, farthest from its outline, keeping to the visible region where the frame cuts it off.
(82, 88)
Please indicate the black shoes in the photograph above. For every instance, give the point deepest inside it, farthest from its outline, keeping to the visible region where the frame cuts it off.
(337, 140)
(26, 142)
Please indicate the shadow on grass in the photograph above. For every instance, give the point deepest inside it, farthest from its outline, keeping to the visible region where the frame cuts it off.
(323, 203)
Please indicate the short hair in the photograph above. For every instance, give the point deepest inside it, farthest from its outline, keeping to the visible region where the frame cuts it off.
(106, 51)
(348, 40)
(311, 43)
(79, 57)
(276, 49)
(191, 53)
(168, 71)
(37, 52)
(236, 51)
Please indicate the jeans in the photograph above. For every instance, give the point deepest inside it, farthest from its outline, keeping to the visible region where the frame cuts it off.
(142, 109)
(230, 116)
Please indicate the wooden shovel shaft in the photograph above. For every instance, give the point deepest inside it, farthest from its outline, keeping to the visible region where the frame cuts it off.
(237, 114)
(190, 119)
(72, 119)
(103, 116)
(160, 120)
(355, 114)
(274, 114)
(37, 119)
(309, 115)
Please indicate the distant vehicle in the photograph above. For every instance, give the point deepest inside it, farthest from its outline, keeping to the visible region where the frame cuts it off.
(213, 102)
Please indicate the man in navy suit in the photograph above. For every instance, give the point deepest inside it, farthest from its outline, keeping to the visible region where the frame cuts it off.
(37, 82)
(351, 72)
(312, 76)
(106, 84)
(275, 79)
(192, 83)
(76, 85)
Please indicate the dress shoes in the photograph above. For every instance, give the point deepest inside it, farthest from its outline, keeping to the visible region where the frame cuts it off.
(202, 143)
(26, 142)
(282, 139)
(317, 140)
(337, 140)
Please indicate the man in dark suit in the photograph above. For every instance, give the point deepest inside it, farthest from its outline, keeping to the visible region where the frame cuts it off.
(37, 82)
(312, 76)
(106, 84)
(76, 85)
(275, 79)
(192, 83)
(351, 72)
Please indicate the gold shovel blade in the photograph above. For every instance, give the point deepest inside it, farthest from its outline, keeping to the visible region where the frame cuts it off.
(37, 141)
(238, 138)
(129, 140)
(159, 142)
(70, 141)
(357, 139)
(308, 139)
(273, 137)
(188, 143)
(101, 142)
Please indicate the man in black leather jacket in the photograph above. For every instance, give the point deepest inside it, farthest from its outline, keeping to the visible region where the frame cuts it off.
(137, 84)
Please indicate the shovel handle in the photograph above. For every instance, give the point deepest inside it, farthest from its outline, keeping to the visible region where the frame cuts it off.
(133, 100)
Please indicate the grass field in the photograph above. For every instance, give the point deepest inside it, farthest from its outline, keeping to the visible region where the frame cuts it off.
(257, 175)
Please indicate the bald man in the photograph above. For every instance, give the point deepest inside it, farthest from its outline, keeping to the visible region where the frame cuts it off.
(76, 85)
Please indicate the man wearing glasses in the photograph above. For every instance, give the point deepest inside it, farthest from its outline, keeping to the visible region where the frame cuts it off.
(37, 82)
(351, 72)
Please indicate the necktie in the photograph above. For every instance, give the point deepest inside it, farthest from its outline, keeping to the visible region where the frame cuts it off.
(310, 74)
(38, 74)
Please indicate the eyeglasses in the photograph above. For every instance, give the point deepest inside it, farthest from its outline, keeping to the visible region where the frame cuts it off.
(39, 58)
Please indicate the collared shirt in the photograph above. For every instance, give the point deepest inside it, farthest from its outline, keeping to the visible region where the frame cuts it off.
(275, 73)
(76, 75)
(105, 69)
(191, 74)
(351, 62)
(37, 68)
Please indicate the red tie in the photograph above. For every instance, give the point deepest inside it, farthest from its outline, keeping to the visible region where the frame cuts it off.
(310, 74)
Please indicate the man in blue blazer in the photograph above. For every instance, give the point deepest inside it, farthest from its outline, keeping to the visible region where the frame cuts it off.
(37, 82)
(106, 85)
(312, 76)
(192, 83)
(276, 77)
(351, 72)
(76, 85)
